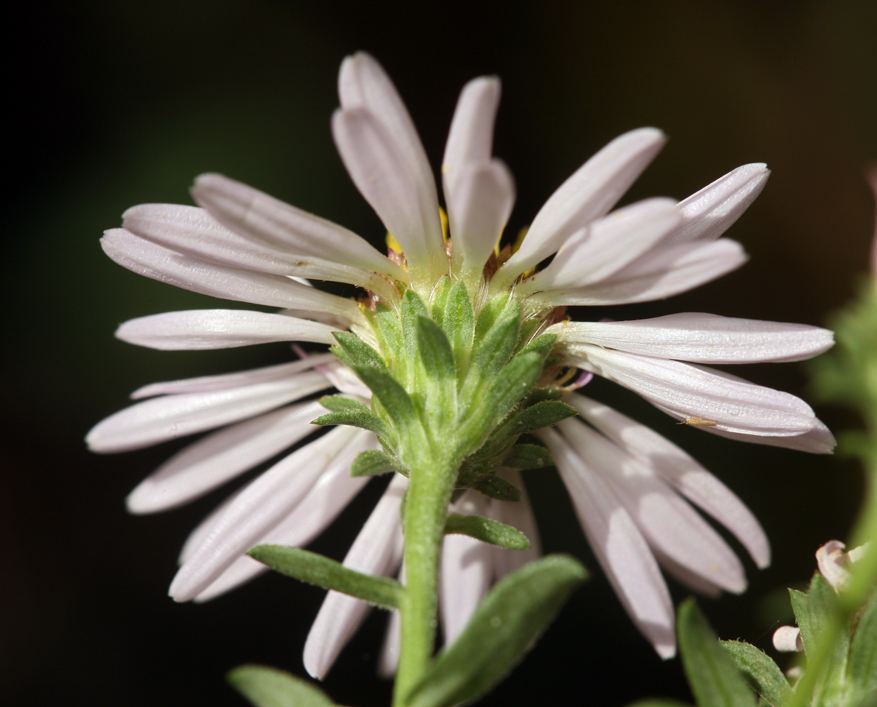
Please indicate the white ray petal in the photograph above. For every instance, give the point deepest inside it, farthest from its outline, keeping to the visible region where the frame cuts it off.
(683, 575)
(663, 272)
(817, 440)
(250, 211)
(588, 194)
(478, 209)
(203, 384)
(377, 550)
(259, 508)
(714, 209)
(194, 232)
(471, 135)
(466, 571)
(161, 419)
(618, 545)
(363, 83)
(687, 390)
(667, 521)
(195, 330)
(330, 495)
(606, 246)
(162, 264)
(678, 469)
(383, 173)
(223, 455)
(701, 338)
(518, 515)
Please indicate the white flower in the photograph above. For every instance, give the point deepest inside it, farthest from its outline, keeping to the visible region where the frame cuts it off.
(627, 482)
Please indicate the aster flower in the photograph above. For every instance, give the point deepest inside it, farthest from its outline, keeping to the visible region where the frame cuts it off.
(489, 327)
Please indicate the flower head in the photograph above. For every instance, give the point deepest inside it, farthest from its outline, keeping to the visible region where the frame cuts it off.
(458, 346)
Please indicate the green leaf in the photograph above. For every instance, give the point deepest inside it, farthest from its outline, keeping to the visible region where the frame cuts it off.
(391, 395)
(358, 352)
(355, 414)
(324, 572)
(528, 456)
(535, 417)
(862, 667)
(388, 329)
(487, 531)
(270, 687)
(438, 363)
(504, 627)
(412, 309)
(760, 668)
(541, 345)
(373, 462)
(711, 673)
(458, 321)
(441, 292)
(494, 486)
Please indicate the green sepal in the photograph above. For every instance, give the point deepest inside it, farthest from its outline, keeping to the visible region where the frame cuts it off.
(354, 413)
(528, 456)
(324, 572)
(487, 531)
(437, 360)
(412, 309)
(712, 675)
(503, 628)
(458, 322)
(392, 396)
(497, 346)
(494, 486)
(541, 345)
(862, 666)
(440, 295)
(355, 352)
(373, 462)
(535, 417)
(385, 323)
(269, 687)
(767, 678)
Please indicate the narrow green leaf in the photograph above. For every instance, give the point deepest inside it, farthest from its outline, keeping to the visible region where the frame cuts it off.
(504, 627)
(459, 325)
(372, 462)
(812, 611)
(391, 395)
(324, 572)
(358, 352)
(339, 403)
(765, 674)
(386, 324)
(270, 687)
(412, 309)
(435, 350)
(489, 314)
(541, 345)
(528, 456)
(494, 486)
(535, 417)
(440, 299)
(487, 531)
(862, 665)
(355, 414)
(713, 678)
(498, 344)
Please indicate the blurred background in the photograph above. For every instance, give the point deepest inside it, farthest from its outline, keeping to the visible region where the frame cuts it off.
(114, 104)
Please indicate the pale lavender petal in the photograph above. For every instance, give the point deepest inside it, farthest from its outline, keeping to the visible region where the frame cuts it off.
(466, 571)
(330, 495)
(482, 201)
(383, 173)
(162, 264)
(714, 209)
(678, 469)
(588, 194)
(663, 272)
(471, 135)
(618, 545)
(194, 232)
(161, 419)
(224, 381)
(606, 246)
(669, 524)
(377, 550)
(260, 507)
(363, 84)
(701, 338)
(200, 329)
(252, 212)
(388, 660)
(213, 460)
(817, 440)
(518, 515)
(694, 581)
(685, 391)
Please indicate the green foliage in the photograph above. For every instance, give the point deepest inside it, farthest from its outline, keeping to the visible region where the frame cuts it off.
(714, 679)
(327, 573)
(527, 456)
(373, 462)
(504, 627)
(352, 412)
(494, 486)
(764, 674)
(269, 687)
(486, 530)
(862, 664)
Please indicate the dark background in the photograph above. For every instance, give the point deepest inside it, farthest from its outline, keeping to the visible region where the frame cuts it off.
(113, 104)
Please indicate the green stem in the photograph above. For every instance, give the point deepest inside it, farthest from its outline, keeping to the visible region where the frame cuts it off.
(429, 493)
